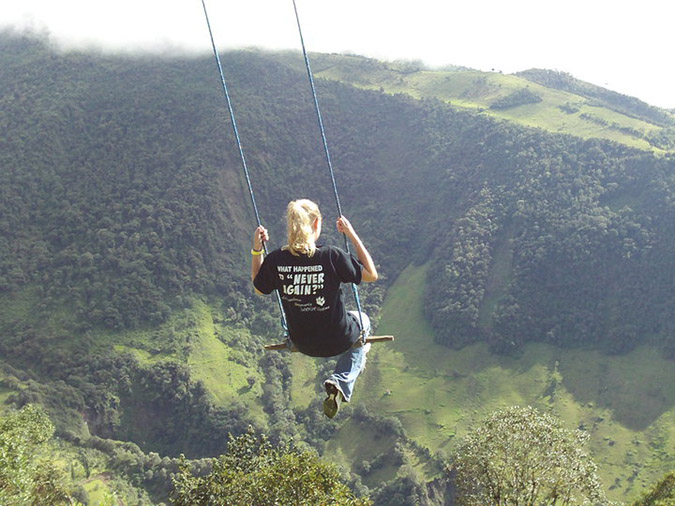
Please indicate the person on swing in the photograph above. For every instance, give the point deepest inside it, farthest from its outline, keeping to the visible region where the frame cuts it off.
(309, 277)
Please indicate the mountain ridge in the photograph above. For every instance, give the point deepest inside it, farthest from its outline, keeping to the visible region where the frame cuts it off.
(573, 104)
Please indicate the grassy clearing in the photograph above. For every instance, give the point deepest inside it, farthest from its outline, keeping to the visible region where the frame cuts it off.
(304, 381)
(196, 337)
(499, 277)
(223, 371)
(152, 344)
(98, 491)
(477, 90)
(190, 336)
(626, 403)
(355, 443)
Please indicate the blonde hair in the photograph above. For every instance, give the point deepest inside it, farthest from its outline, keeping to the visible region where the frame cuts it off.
(300, 216)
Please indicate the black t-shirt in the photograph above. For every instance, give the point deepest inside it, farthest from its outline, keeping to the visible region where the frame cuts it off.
(318, 323)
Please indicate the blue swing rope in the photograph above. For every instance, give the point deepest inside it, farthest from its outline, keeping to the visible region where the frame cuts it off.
(241, 150)
(355, 290)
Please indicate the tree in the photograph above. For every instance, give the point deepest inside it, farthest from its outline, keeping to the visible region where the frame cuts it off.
(519, 456)
(25, 478)
(254, 472)
(519, 97)
(662, 494)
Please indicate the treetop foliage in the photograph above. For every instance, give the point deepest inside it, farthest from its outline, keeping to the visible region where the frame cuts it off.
(255, 472)
(519, 456)
(661, 494)
(26, 476)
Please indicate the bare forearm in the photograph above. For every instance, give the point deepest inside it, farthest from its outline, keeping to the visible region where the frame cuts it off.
(256, 262)
(369, 270)
(260, 236)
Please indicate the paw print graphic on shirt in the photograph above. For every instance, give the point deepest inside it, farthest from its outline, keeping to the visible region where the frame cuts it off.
(320, 301)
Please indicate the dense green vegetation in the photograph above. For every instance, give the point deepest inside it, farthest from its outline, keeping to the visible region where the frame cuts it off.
(542, 237)
(254, 472)
(26, 477)
(624, 402)
(662, 494)
(521, 456)
(125, 306)
(557, 245)
(549, 237)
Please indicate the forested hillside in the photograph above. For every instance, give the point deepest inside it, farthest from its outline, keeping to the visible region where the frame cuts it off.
(557, 238)
(123, 193)
(125, 226)
(564, 241)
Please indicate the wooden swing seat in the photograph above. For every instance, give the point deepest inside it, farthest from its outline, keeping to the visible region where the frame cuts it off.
(357, 344)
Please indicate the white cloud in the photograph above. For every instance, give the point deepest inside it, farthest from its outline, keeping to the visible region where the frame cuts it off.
(623, 46)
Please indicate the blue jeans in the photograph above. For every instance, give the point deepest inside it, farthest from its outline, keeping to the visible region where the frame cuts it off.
(351, 363)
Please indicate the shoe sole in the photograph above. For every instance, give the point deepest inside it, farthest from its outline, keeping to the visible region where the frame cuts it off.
(331, 405)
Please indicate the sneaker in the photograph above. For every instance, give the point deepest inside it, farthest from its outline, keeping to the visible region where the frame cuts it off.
(331, 404)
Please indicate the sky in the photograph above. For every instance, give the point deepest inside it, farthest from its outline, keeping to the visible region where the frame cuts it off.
(624, 46)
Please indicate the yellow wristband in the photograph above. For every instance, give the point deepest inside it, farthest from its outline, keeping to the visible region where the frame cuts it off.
(255, 253)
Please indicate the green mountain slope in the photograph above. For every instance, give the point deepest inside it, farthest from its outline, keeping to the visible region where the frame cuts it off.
(142, 202)
(554, 101)
(438, 394)
(625, 403)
